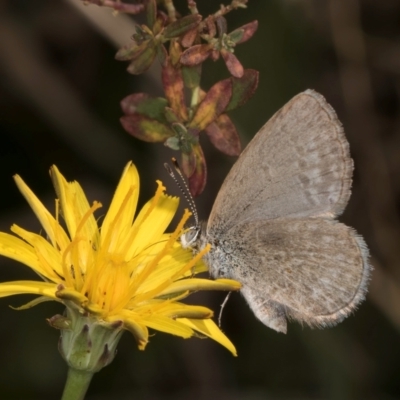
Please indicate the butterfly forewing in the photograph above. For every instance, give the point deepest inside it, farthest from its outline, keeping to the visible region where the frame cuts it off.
(297, 165)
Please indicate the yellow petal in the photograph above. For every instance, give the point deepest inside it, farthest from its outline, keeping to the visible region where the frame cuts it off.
(74, 205)
(17, 249)
(172, 308)
(130, 320)
(48, 258)
(208, 328)
(28, 287)
(89, 230)
(119, 217)
(181, 310)
(150, 226)
(53, 229)
(71, 294)
(33, 303)
(167, 268)
(193, 284)
(167, 325)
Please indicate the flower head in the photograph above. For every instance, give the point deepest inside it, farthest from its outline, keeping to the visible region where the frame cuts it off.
(127, 274)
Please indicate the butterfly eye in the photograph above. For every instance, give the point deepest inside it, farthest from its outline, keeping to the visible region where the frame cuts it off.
(190, 236)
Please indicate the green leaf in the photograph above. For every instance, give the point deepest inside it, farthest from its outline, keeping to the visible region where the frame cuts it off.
(142, 103)
(162, 54)
(170, 115)
(141, 63)
(212, 106)
(243, 33)
(191, 76)
(146, 129)
(131, 51)
(243, 88)
(181, 26)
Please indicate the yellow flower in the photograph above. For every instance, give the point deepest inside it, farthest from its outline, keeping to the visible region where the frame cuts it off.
(127, 275)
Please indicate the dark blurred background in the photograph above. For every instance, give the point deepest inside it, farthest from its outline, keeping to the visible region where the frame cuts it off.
(60, 89)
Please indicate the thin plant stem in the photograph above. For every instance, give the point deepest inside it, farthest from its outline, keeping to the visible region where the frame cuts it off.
(77, 384)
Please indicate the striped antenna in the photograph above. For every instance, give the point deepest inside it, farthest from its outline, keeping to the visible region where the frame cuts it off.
(183, 187)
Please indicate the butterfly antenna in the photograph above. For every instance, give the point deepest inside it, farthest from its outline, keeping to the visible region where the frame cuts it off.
(183, 187)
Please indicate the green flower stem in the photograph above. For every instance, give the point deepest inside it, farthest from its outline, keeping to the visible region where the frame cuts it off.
(77, 384)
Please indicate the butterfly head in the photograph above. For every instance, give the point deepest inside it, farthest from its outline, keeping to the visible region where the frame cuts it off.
(190, 237)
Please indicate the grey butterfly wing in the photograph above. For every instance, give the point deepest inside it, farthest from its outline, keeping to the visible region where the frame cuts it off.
(313, 270)
(297, 165)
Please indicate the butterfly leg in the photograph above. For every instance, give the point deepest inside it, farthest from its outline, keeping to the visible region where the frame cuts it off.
(269, 312)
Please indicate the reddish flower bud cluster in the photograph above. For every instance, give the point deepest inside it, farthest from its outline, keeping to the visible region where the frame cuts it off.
(191, 40)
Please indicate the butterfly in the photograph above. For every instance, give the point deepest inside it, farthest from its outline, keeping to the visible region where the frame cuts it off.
(273, 225)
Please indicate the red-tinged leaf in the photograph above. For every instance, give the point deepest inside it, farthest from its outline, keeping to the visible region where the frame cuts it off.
(202, 94)
(129, 103)
(146, 129)
(174, 90)
(211, 28)
(232, 63)
(244, 33)
(131, 51)
(243, 88)
(196, 54)
(189, 38)
(142, 103)
(212, 106)
(223, 135)
(198, 179)
(143, 62)
(181, 26)
(151, 12)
